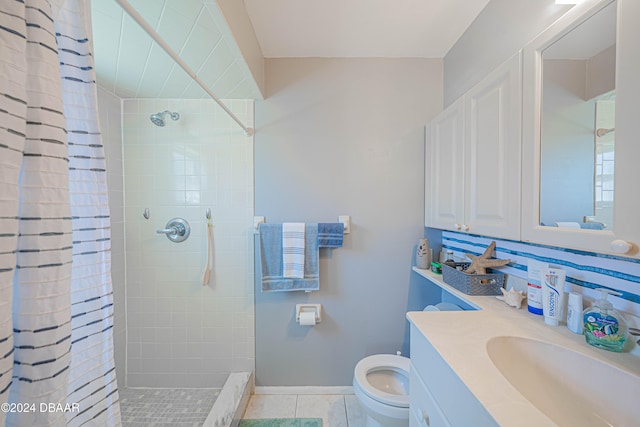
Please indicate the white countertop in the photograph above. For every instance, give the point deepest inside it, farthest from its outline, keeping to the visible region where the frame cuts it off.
(460, 337)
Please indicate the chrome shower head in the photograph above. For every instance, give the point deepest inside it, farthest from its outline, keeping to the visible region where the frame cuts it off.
(158, 118)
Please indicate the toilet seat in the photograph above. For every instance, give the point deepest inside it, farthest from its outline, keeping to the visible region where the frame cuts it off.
(381, 363)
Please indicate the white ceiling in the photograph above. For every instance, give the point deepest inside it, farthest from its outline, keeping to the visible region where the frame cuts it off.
(131, 65)
(360, 28)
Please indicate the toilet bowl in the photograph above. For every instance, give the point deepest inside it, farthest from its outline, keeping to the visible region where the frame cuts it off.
(381, 384)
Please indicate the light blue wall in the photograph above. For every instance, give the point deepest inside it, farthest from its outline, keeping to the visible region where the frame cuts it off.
(343, 137)
(502, 28)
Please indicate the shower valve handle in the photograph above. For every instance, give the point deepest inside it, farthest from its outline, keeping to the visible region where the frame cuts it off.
(177, 230)
(172, 230)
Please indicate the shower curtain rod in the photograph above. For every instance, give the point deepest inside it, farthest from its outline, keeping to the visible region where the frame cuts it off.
(126, 6)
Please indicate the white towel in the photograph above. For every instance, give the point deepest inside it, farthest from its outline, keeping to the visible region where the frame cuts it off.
(293, 249)
(568, 224)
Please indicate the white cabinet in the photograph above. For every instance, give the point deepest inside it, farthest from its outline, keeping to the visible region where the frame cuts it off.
(437, 397)
(473, 158)
(444, 186)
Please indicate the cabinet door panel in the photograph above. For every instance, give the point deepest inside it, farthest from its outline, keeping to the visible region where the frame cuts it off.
(423, 407)
(492, 156)
(444, 175)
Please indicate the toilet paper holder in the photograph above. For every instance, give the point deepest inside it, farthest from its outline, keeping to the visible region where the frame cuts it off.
(309, 308)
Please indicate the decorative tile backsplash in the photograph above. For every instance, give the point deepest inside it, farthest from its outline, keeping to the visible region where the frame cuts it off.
(586, 271)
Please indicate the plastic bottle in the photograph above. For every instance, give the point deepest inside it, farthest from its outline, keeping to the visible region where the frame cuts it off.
(450, 260)
(574, 313)
(534, 286)
(604, 327)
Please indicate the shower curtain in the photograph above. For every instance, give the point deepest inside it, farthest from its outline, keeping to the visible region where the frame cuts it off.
(56, 299)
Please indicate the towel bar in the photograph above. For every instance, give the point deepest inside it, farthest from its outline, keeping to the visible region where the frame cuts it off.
(344, 219)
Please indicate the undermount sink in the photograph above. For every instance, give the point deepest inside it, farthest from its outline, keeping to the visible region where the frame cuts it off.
(570, 388)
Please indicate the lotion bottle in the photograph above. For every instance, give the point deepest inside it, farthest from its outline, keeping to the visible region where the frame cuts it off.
(604, 327)
(534, 286)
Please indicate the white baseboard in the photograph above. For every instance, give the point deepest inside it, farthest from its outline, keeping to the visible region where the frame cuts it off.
(304, 390)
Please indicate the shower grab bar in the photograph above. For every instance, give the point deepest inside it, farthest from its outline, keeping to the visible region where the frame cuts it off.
(126, 6)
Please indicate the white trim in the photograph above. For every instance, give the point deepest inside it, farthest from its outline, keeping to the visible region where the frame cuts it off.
(304, 390)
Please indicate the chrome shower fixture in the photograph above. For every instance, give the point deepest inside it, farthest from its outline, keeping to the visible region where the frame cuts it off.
(158, 118)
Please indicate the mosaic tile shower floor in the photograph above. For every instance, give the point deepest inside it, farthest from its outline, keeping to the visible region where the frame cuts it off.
(154, 407)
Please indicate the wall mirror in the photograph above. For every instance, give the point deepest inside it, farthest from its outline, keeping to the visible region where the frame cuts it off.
(577, 125)
(580, 129)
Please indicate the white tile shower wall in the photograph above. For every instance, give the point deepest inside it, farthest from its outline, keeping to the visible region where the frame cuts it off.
(181, 333)
(110, 115)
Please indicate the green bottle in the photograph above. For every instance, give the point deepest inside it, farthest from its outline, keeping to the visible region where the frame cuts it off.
(604, 326)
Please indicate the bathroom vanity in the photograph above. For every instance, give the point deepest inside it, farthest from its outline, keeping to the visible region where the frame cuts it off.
(502, 366)
(437, 396)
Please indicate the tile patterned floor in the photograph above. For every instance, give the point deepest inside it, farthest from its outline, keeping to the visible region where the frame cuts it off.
(335, 410)
(154, 407)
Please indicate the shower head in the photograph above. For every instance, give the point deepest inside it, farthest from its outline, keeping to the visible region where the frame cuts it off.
(158, 118)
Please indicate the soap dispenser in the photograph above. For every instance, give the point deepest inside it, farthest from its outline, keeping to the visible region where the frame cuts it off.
(604, 327)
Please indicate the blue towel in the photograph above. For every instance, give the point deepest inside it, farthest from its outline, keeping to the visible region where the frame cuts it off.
(330, 234)
(586, 225)
(592, 225)
(271, 260)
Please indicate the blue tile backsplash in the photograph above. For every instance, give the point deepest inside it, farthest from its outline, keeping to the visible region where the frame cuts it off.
(586, 271)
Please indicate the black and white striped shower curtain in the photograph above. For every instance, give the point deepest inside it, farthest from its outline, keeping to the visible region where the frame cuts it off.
(56, 300)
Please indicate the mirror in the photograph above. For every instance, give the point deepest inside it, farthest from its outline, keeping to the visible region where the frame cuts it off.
(578, 125)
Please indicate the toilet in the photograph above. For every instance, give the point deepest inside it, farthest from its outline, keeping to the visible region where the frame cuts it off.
(381, 384)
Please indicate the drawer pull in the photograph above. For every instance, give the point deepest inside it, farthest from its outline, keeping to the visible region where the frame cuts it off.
(422, 417)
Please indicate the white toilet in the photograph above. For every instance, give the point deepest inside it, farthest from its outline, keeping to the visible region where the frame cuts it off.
(381, 384)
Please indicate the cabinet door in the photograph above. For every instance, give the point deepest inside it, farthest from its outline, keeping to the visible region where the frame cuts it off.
(626, 227)
(627, 175)
(424, 411)
(444, 189)
(492, 153)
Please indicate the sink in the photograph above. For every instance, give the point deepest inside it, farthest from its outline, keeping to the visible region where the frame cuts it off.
(570, 388)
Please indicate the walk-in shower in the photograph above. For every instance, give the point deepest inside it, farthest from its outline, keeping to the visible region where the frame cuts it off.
(176, 340)
(179, 342)
(158, 118)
